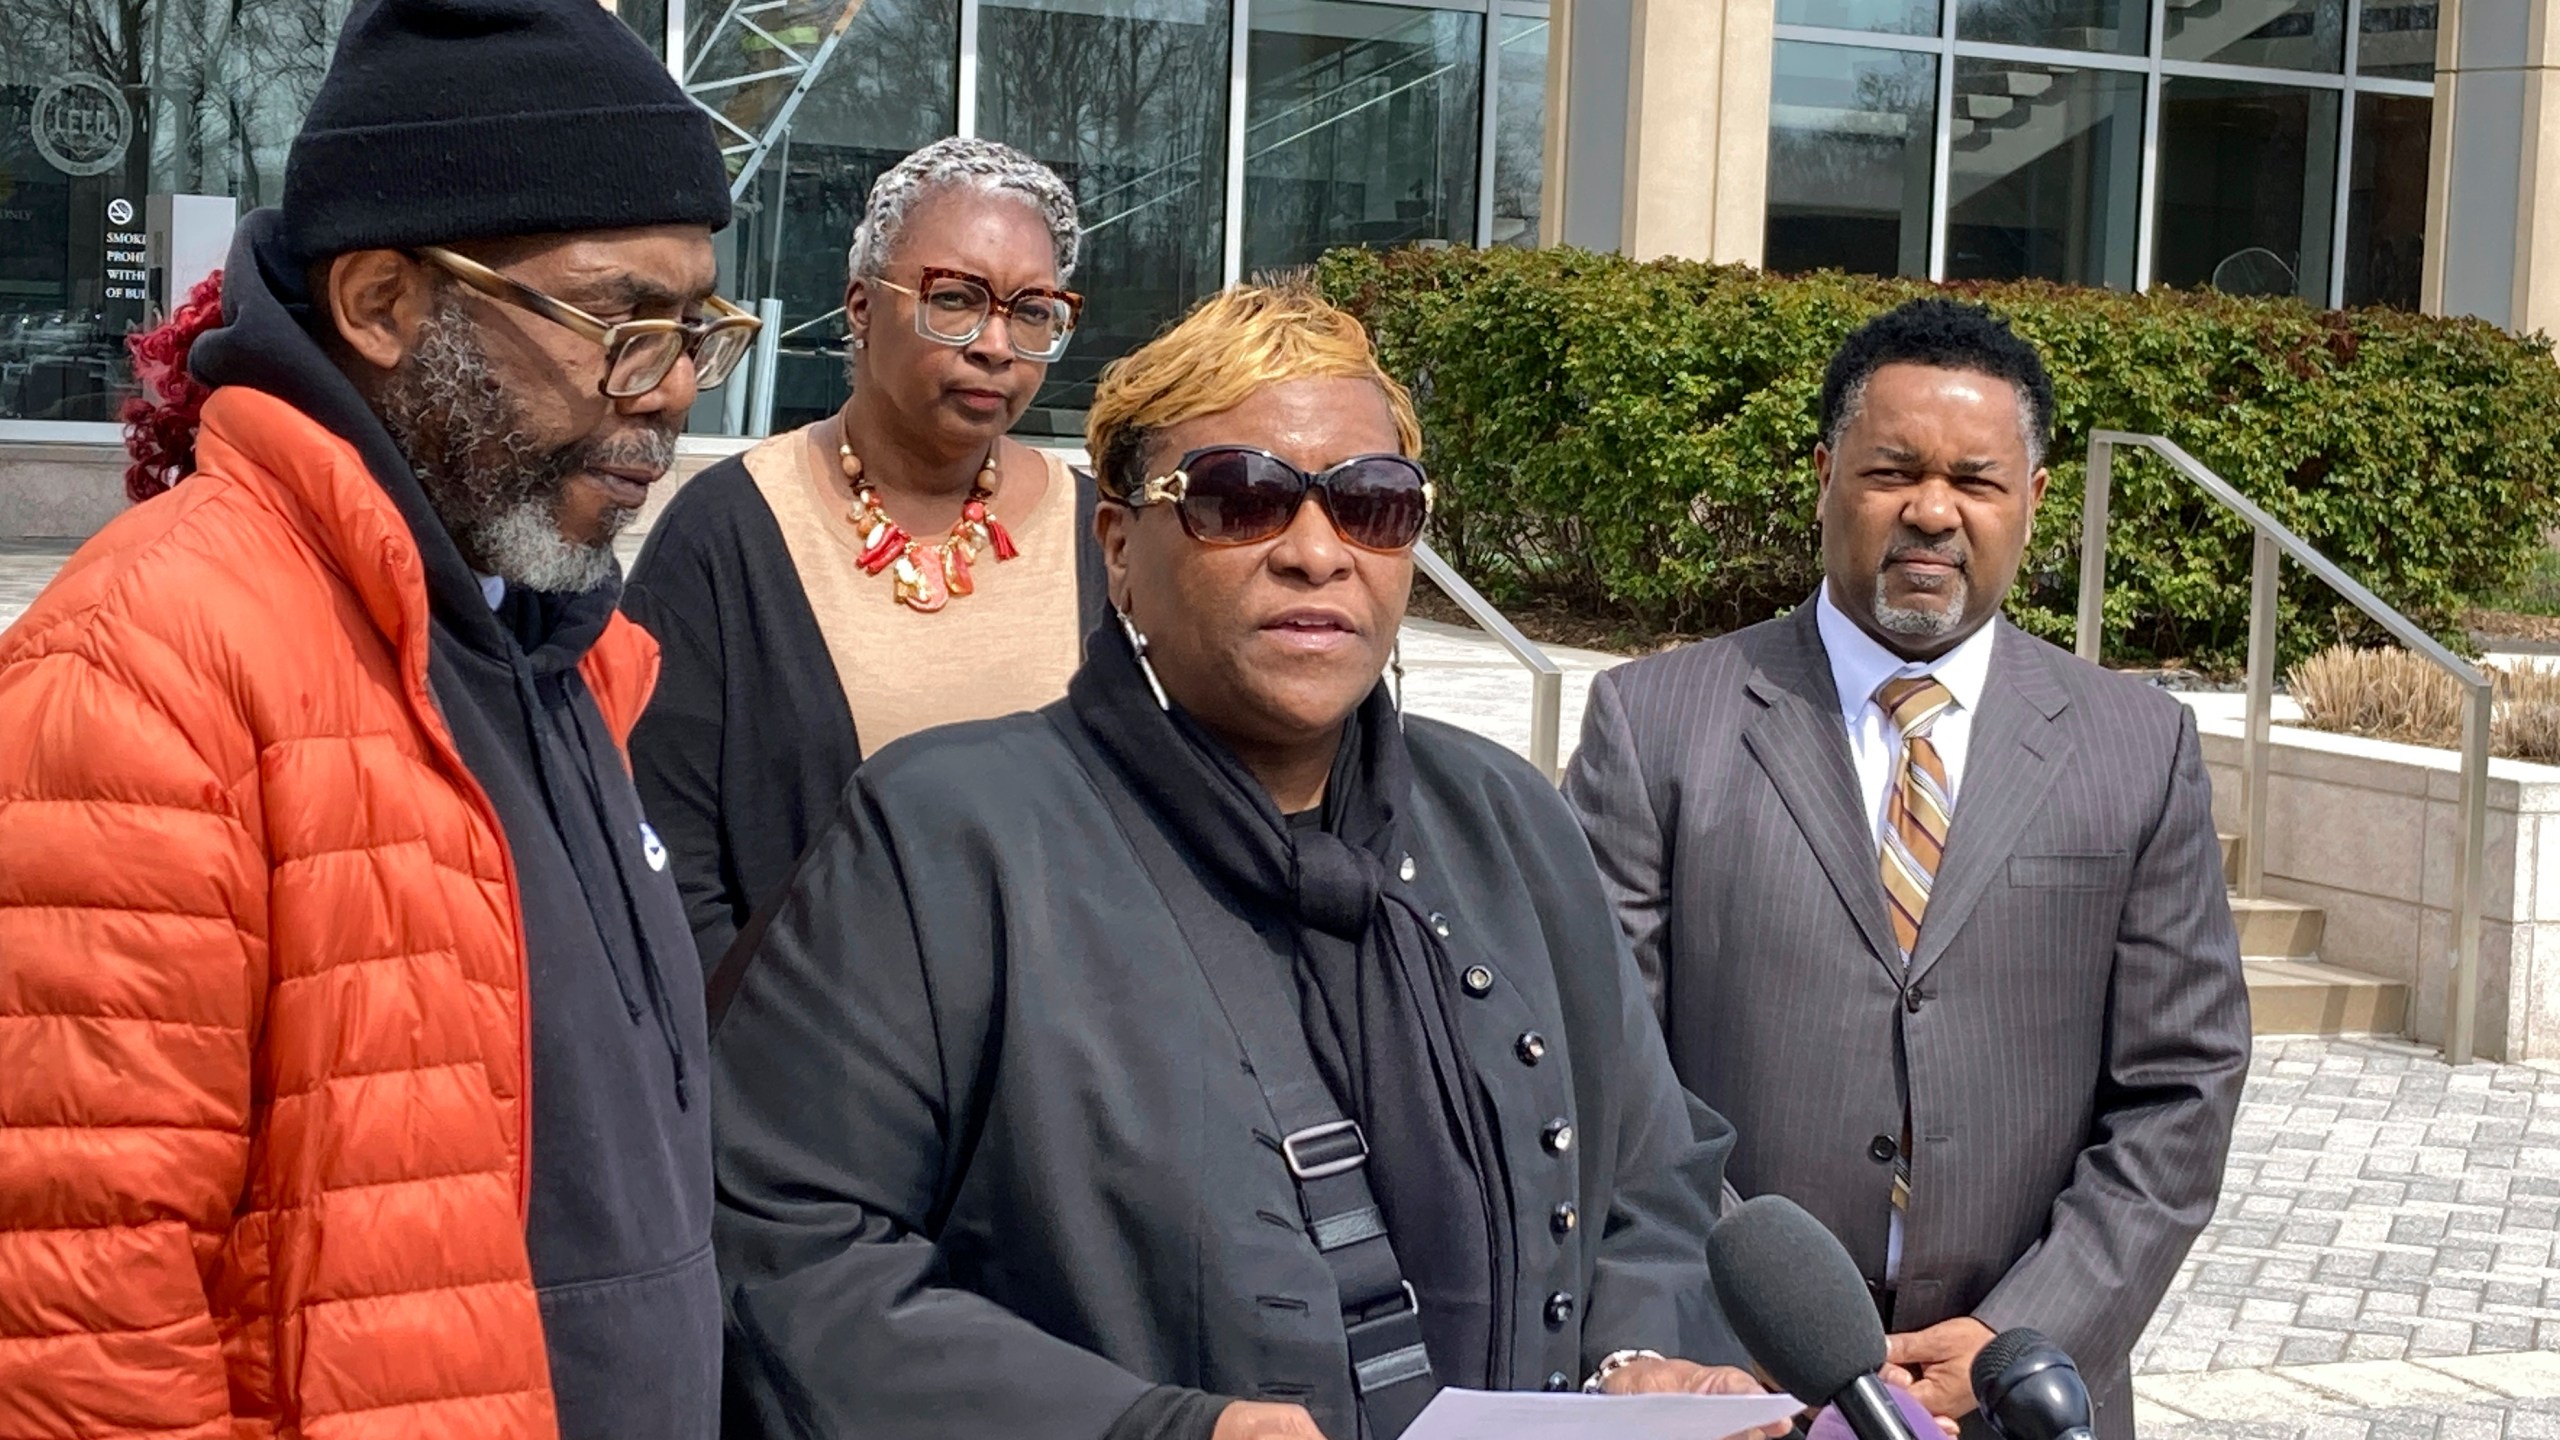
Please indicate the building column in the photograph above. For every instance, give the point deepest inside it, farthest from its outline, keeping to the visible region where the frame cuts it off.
(2493, 181)
(1658, 127)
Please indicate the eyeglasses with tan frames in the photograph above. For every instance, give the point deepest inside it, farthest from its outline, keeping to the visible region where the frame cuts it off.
(638, 354)
(954, 306)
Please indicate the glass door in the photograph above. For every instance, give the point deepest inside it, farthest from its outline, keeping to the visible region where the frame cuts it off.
(1363, 127)
(1127, 101)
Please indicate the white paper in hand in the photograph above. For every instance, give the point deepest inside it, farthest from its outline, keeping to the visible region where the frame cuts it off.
(1534, 1415)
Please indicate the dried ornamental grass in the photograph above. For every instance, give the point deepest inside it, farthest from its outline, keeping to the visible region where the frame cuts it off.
(2384, 694)
(2527, 723)
(2395, 695)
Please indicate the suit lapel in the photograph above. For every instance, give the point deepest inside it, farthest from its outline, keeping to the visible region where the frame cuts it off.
(2010, 761)
(1800, 741)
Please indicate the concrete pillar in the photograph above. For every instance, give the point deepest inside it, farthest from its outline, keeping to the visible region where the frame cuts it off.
(1658, 127)
(2493, 186)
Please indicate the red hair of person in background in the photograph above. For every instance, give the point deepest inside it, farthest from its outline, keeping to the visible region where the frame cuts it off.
(160, 422)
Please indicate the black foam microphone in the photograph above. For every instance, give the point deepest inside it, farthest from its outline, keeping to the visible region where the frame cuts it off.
(2029, 1388)
(1798, 1305)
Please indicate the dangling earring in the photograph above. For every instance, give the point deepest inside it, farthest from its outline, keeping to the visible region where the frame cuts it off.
(1395, 668)
(1138, 647)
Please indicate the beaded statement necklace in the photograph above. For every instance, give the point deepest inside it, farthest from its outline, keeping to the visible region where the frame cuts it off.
(926, 576)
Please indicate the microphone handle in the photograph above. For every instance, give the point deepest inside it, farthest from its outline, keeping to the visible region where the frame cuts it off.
(1868, 1407)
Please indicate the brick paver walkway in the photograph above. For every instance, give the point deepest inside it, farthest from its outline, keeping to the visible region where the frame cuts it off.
(2382, 1260)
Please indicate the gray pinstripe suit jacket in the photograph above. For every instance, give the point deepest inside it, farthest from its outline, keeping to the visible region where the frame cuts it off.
(2073, 1031)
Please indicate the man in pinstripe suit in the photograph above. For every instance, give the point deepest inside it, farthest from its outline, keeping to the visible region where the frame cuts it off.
(1932, 911)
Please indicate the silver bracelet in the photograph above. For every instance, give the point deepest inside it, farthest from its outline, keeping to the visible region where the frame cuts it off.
(1612, 1363)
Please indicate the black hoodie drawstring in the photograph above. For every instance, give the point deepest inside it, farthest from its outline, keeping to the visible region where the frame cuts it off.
(651, 973)
(653, 978)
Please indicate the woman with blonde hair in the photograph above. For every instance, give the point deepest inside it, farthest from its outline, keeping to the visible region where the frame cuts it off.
(1218, 1052)
(898, 565)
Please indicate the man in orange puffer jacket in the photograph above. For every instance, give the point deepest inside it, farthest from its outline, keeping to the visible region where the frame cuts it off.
(351, 1044)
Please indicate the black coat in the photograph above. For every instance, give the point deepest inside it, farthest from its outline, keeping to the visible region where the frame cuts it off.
(748, 741)
(988, 1153)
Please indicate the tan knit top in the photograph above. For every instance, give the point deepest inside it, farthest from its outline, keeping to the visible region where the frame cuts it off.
(1008, 646)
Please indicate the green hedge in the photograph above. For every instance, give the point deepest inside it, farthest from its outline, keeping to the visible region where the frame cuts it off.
(1636, 439)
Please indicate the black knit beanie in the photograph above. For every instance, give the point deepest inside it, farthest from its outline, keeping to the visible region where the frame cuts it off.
(451, 120)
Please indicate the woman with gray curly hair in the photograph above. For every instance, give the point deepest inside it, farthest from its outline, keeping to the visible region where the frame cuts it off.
(898, 565)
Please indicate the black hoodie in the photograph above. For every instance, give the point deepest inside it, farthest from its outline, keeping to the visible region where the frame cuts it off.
(619, 1225)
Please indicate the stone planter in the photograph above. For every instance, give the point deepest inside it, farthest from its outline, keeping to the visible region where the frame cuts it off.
(2367, 831)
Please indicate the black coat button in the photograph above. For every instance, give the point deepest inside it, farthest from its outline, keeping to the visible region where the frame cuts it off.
(1439, 924)
(1564, 1219)
(1478, 980)
(1558, 1380)
(1557, 1137)
(1882, 1149)
(1559, 1309)
(1531, 1047)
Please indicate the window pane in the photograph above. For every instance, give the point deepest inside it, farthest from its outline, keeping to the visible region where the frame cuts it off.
(2246, 197)
(648, 20)
(2112, 27)
(2387, 200)
(2046, 163)
(1892, 17)
(1361, 129)
(2397, 40)
(1852, 137)
(227, 88)
(1127, 100)
(1520, 131)
(2289, 34)
(886, 89)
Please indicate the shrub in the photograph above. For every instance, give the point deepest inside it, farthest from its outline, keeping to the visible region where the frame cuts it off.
(2394, 695)
(1637, 437)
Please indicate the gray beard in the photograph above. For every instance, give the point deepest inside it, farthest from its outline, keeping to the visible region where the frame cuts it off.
(1923, 624)
(499, 494)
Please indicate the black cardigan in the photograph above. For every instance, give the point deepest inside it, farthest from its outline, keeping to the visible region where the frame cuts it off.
(749, 741)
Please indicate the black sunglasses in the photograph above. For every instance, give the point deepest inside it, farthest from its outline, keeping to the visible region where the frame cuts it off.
(1236, 495)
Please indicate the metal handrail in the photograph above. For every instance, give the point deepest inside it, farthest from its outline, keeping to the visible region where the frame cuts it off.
(1546, 678)
(2272, 541)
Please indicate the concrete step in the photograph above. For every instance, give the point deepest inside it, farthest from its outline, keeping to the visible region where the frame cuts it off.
(2278, 929)
(2293, 997)
(2230, 859)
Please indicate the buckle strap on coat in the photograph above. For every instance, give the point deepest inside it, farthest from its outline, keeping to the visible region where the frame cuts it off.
(1326, 1153)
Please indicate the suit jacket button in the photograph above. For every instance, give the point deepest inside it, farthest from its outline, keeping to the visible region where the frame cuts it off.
(1531, 1046)
(1559, 1309)
(1557, 1137)
(1439, 924)
(1478, 980)
(1882, 1149)
(1558, 1380)
(1564, 1219)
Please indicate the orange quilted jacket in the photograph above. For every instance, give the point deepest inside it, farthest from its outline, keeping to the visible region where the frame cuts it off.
(263, 1042)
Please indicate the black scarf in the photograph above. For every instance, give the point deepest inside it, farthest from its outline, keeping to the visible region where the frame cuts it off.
(1374, 982)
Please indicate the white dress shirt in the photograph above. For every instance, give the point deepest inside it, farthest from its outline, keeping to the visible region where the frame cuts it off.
(1860, 666)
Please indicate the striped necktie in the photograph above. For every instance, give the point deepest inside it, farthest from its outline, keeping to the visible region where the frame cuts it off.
(1917, 808)
(1916, 814)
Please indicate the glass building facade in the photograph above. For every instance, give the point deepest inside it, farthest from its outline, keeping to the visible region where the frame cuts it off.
(2264, 147)
(1206, 140)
